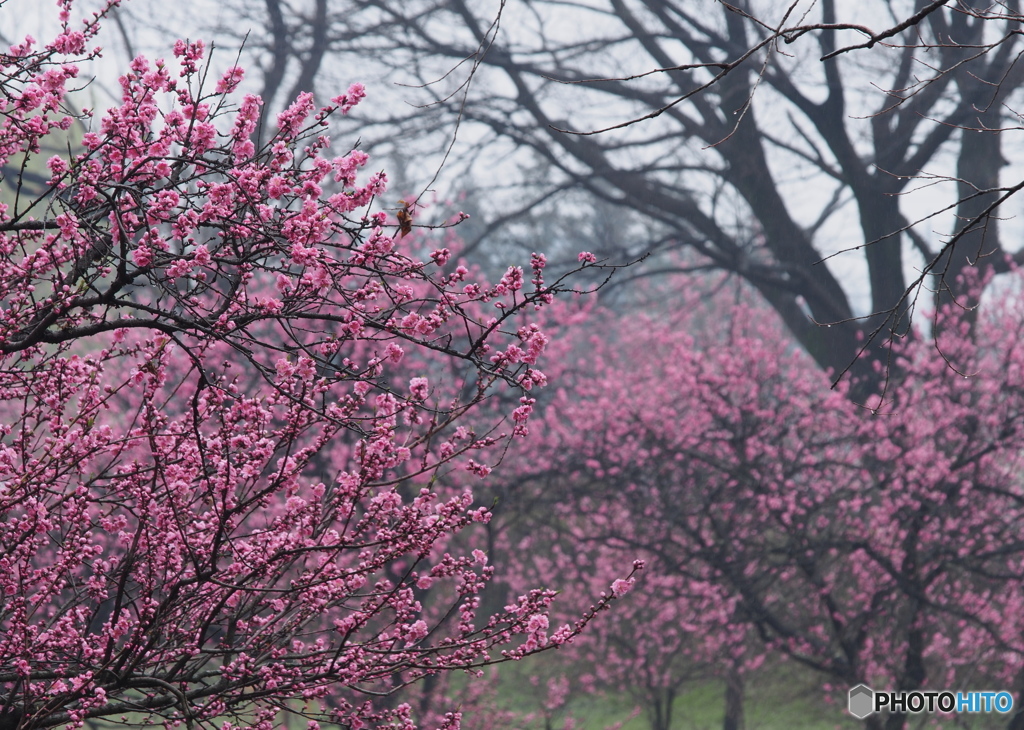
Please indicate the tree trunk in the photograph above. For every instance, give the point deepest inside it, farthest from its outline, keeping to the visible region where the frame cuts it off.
(733, 701)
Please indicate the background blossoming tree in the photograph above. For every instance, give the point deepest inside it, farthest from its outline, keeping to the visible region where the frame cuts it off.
(779, 520)
(229, 398)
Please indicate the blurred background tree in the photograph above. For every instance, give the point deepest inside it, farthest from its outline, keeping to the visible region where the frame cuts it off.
(768, 137)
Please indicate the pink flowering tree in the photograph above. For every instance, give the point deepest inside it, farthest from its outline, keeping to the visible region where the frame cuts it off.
(230, 400)
(777, 518)
(670, 633)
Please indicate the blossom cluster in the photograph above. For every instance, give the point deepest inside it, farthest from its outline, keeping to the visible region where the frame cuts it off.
(228, 394)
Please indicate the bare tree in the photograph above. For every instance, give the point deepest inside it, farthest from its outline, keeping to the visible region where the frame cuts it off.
(758, 135)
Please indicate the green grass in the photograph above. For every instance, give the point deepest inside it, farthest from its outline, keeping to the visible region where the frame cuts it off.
(778, 697)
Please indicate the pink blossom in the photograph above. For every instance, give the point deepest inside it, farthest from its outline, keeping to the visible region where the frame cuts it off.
(356, 93)
(418, 387)
(230, 80)
(621, 587)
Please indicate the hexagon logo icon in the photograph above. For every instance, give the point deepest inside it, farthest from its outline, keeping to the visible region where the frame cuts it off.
(861, 701)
